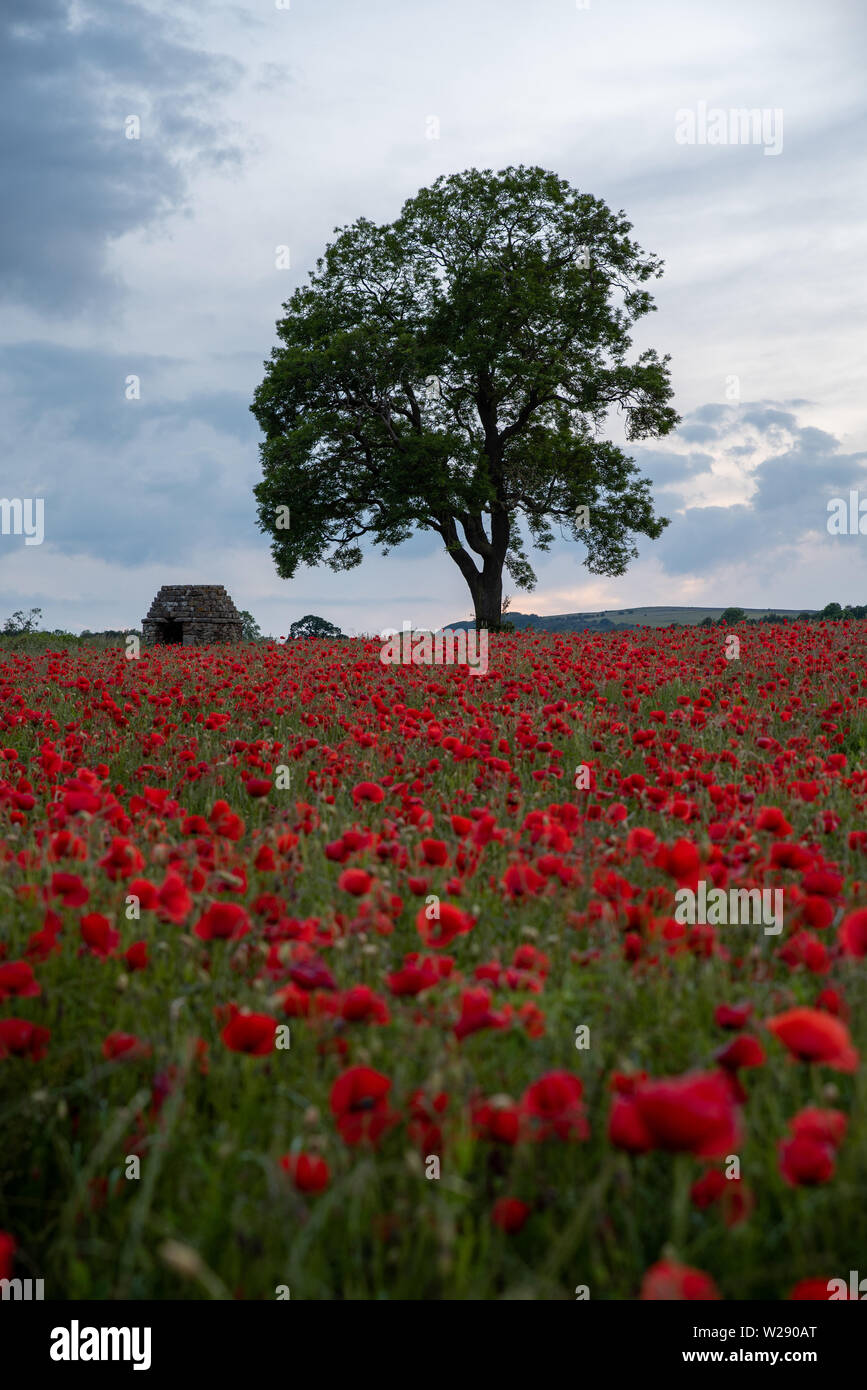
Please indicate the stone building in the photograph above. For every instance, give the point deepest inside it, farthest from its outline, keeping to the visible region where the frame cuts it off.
(192, 615)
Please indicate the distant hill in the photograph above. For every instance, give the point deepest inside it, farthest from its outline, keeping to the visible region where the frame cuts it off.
(624, 619)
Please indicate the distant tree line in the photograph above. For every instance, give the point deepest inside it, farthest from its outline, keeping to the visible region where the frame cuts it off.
(832, 612)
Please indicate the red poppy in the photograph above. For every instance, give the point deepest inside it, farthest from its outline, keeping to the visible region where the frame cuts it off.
(223, 819)
(786, 856)
(145, 891)
(853, 933)
(553, 1107)
(360, 1005)
(70, 889)
(435, 852)
(7, 1254)
(476, 1013)
(695, 1113)
(121, 860)
(98, 934)
(732, 1195)
(805, 1161)
(522, 880)
(425, 1113)
(814, 1036)
(355, 881)
(668, 1282)
(44, 943)
(497, 1123)
(312, 974)
(824, 1126)
(732, 1015)
(21, 1038)
(417, 974)
(742, 1051)
(223, 922)
(309, 1172)
(832, 1001)
(626, 1128)
(510, 1214)
(136, 956)
(443, 926)
(359, 1103)
(822, 881)
(367, 791)
(125, 1045)
(174, 901)
(813, 1291)
(17, 979)
(251, 1033)
(771, 818)
(682, 861)
(294, 1002)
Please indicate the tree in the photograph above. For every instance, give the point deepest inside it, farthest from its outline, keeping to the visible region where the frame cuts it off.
(23, 622)
(731, 616)
(250, 630)
(311, 626)
(453, 371)
(831, 611)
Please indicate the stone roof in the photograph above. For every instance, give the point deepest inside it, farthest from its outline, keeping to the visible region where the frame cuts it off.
(193, 603)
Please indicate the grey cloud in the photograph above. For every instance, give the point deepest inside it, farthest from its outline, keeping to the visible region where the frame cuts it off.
(664, 467)
(802, 481)
(125, 481)
(703, 537)
(71, 179)
(793, 488)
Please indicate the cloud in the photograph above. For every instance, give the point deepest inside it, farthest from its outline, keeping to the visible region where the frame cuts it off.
(263, 126)
(665, 468)
(787, 472)
(69, 78)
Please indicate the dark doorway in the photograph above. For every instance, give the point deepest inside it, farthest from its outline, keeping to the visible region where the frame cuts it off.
(170, 632)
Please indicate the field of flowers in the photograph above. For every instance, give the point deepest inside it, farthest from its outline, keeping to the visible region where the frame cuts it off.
(324, 976)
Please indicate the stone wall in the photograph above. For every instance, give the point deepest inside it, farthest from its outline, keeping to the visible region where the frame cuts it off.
(193, 614)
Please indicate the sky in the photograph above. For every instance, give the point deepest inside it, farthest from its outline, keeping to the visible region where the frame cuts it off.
(155, 155)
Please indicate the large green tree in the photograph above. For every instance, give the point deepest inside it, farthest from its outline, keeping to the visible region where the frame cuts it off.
(456, 371)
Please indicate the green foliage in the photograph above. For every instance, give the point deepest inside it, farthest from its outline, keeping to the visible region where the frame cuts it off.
(455, 369)
(731, 616)
(311, 626)
(250, 630)
(21, 622)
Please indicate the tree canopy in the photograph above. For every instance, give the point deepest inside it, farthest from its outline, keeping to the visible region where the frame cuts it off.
(453, 372)
(312, 626)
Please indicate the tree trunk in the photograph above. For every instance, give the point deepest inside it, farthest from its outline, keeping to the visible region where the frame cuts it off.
(488, 596)
(485, 584)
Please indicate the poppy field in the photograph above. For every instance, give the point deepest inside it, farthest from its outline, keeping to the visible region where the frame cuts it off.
(327, 979)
